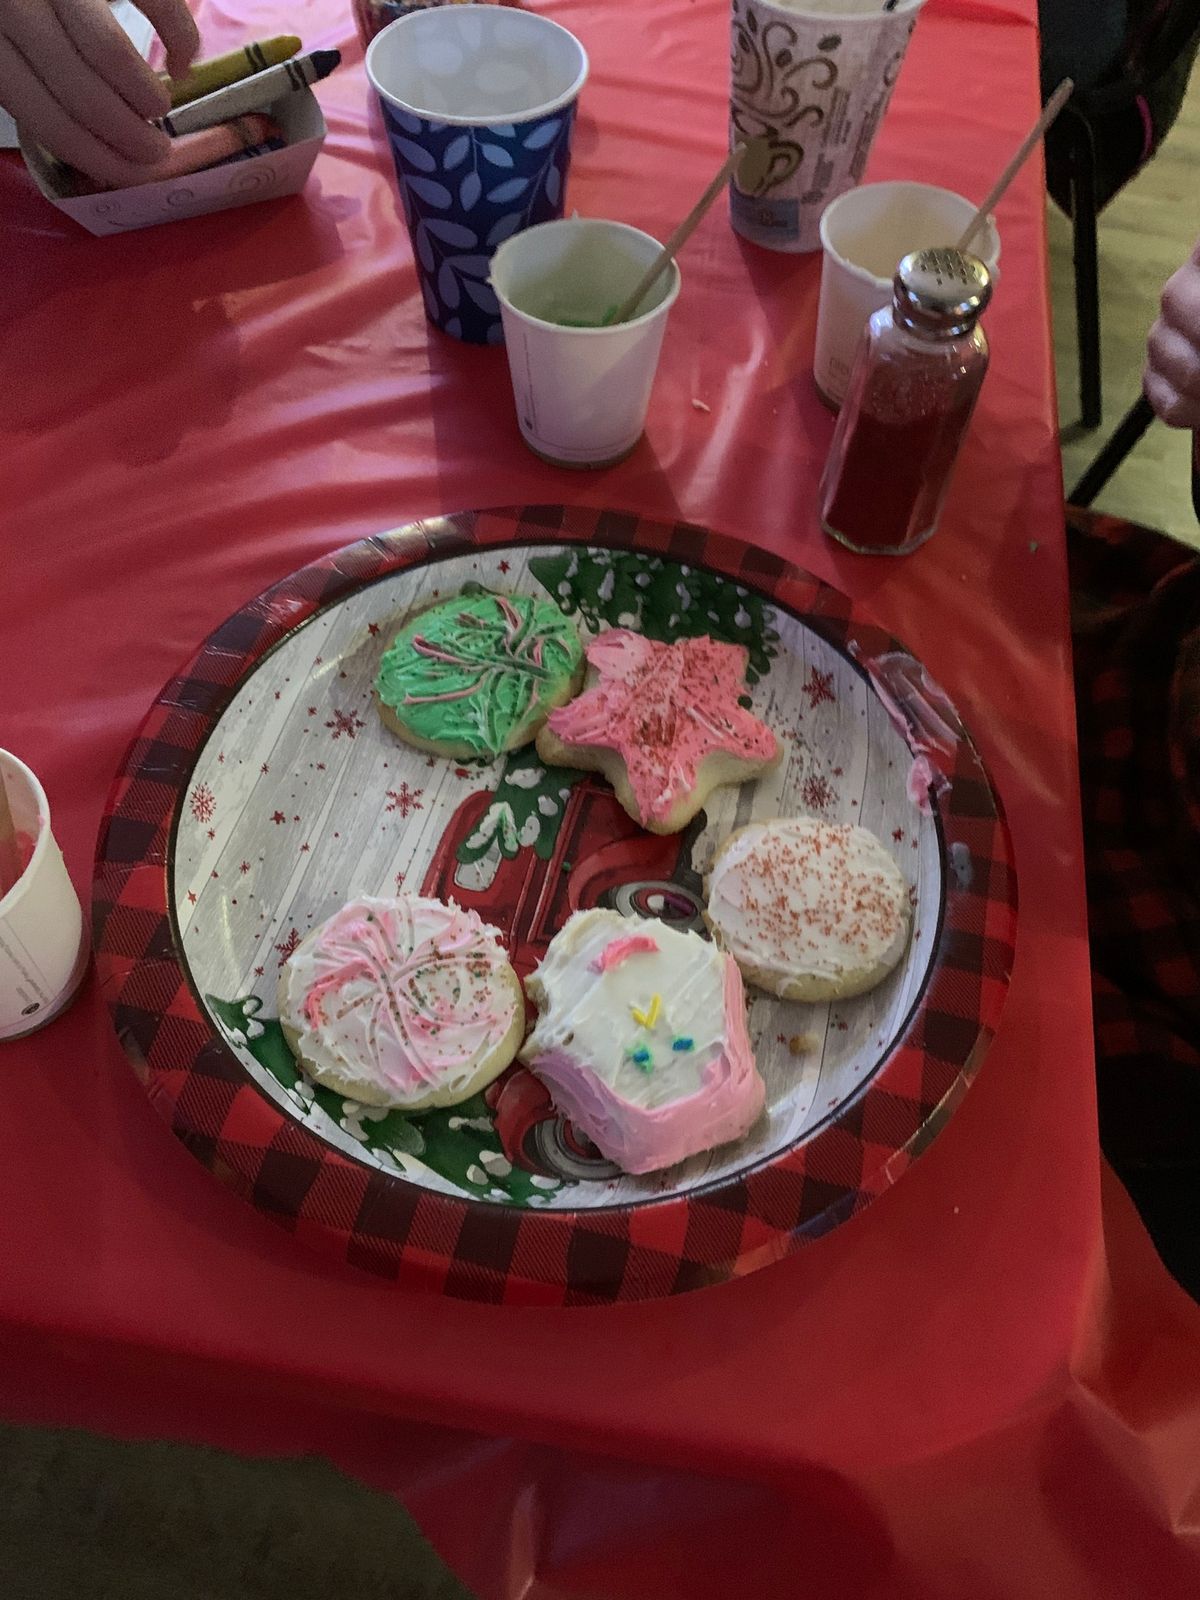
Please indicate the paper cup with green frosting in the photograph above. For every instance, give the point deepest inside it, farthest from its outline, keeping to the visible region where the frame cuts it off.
(582, 386)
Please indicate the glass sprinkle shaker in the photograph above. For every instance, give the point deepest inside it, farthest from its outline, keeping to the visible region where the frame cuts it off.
(913, 387)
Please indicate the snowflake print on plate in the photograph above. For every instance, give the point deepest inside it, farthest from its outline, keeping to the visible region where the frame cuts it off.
(344, 722)
(819, 688)
(404, 800)
(203, 803)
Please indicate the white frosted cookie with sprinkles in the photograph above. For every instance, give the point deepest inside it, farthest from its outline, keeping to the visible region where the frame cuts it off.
(809, 910)
(408, 1003)
(642, 1041)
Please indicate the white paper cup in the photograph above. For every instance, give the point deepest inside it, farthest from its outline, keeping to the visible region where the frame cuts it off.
(582, 392)
(864, 236)
(43, 948)
(810, 83)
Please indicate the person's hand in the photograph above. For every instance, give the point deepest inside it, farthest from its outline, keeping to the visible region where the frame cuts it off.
(1172, 380)
(74, 82)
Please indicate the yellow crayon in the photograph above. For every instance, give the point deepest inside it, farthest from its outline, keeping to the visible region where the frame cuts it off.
(221, 71)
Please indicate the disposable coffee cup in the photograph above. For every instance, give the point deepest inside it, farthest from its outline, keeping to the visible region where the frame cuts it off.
(810, 82)
(864, 236)
(582, 390)
(43, 946)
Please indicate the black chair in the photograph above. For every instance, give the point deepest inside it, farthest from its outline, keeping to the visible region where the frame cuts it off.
(1104, 136)
(1131, 428)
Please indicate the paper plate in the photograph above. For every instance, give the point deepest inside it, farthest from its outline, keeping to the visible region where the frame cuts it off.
(263, 791)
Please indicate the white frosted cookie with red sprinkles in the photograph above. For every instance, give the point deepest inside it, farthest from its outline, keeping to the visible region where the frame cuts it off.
(809, 910)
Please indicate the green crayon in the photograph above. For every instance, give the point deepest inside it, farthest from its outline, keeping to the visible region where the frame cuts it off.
(221, 71)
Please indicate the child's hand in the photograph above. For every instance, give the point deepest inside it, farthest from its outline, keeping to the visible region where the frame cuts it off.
(1172, 380)
(75, 83)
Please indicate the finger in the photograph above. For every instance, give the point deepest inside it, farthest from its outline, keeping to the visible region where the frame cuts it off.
(83, 95)
(174, 25)
(40, 117)
(1175, 357)
(1176, 410)
(79, 88)
(1181, 300)
(99, 38)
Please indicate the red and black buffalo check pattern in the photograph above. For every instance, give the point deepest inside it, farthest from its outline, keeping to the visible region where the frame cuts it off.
(466, 1247)
(1136, 627)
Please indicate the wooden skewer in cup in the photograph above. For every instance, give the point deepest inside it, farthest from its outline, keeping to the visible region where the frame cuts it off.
(677, 240)
(1049, 111)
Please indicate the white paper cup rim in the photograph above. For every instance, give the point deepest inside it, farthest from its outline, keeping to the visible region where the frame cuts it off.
(479, 120)
(843, 17)
(889, 184)
(10, 901)
(589, 223)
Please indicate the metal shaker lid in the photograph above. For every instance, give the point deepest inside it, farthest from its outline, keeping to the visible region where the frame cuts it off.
(940, 292)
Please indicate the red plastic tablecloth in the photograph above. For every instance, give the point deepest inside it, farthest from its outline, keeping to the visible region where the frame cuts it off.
(983, 1386)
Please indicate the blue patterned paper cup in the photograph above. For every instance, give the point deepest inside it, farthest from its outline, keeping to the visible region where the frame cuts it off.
(479, 103)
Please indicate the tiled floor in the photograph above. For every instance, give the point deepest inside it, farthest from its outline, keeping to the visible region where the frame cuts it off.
(83, 1518)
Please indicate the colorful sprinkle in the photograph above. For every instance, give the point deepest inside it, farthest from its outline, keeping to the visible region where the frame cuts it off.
(683, 1044)
(649, 1016)
(618, 950)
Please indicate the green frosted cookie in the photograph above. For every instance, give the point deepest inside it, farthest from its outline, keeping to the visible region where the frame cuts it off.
(478, 674)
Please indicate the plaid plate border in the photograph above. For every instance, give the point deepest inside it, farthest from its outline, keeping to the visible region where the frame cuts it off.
(416, 1237)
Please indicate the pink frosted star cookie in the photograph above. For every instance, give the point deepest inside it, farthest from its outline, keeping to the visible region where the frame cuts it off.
(663, 724)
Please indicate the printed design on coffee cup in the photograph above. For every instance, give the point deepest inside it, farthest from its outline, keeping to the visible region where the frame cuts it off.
(773, 85)
(466, 190)
(813, 88)
(892, 71)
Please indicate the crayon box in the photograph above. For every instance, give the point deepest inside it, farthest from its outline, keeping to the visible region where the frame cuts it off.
(241, 183)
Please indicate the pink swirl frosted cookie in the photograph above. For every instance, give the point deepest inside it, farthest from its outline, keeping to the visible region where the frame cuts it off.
(663, 724)
(642, 1039)
(408, 1003)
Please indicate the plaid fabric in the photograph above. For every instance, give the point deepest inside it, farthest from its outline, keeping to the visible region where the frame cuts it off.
(465, 1247)
(1136, 623)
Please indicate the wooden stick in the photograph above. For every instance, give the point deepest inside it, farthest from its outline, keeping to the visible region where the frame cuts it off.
(677, 240)
(1049, 111)
(10, 856)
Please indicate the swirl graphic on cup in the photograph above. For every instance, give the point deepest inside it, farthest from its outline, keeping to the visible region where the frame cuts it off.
(809, 89)
(774, 82)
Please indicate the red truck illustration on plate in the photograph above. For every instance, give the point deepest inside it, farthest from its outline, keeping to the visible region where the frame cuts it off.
(599, 857)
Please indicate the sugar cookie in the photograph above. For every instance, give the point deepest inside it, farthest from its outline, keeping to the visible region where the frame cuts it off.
(809, 910)
(663, 723)
(642, 1039)
(408, 1003)
(476, 674)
